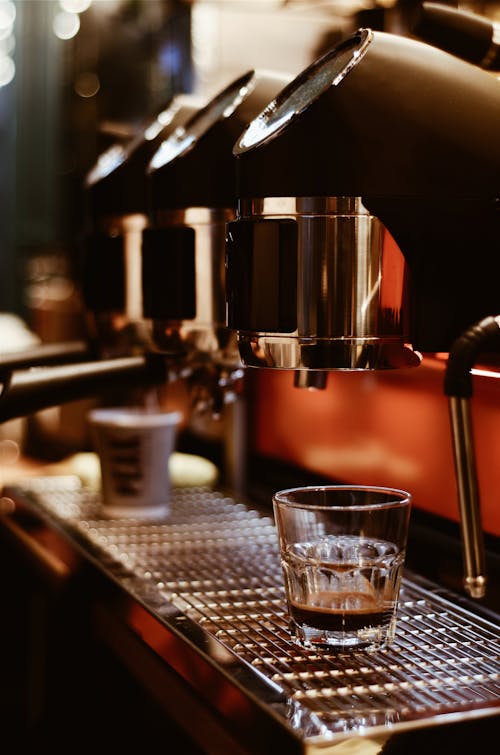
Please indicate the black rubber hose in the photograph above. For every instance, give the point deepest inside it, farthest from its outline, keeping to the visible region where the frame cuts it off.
(463, 354)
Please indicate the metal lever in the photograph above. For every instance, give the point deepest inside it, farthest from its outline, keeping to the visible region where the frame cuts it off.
(27, 391)
(458, 388)
(46, 354)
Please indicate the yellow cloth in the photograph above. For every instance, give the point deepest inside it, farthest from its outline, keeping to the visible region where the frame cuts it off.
(186, 470)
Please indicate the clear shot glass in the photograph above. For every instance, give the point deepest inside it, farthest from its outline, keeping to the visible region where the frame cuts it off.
(342, 550)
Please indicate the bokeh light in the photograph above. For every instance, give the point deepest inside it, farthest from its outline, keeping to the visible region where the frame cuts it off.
(66, 25)
(7, 70)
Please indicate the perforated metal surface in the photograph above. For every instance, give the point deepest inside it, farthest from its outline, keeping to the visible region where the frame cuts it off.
(216, 560)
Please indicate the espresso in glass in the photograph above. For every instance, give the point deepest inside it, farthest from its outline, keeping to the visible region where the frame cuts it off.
(342, 590)
(342, 560)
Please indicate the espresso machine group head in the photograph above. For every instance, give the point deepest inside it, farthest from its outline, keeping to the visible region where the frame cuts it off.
(382, 134)
(116, 351)
(117, 195)
(383, 146)
(192, 179)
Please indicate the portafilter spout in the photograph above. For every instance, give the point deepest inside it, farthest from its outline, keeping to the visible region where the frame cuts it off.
(458, 388)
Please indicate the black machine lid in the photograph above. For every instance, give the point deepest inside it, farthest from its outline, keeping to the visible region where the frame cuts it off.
(303, 91)
(220, 107)
(195, 165)
(380, 115)
(117, 183)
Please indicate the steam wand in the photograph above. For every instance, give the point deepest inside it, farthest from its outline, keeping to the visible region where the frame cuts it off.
(25, 391)
(458, 388)
(45, 354)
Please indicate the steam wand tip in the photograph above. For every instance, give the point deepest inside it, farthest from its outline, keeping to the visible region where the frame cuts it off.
(475, 586)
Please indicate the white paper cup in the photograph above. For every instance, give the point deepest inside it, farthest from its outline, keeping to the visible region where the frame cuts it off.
(134, 446)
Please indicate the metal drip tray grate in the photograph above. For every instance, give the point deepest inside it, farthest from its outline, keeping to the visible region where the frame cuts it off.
(216, 560)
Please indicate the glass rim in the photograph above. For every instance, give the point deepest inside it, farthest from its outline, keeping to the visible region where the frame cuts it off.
(397, 497)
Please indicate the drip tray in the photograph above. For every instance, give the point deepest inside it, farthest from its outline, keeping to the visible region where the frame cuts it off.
(215, 562)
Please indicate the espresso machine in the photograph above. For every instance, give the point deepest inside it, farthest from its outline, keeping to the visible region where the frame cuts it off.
(115, 350)
(152, 269)
(368, 220)
(117, 194)
(192, 197)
